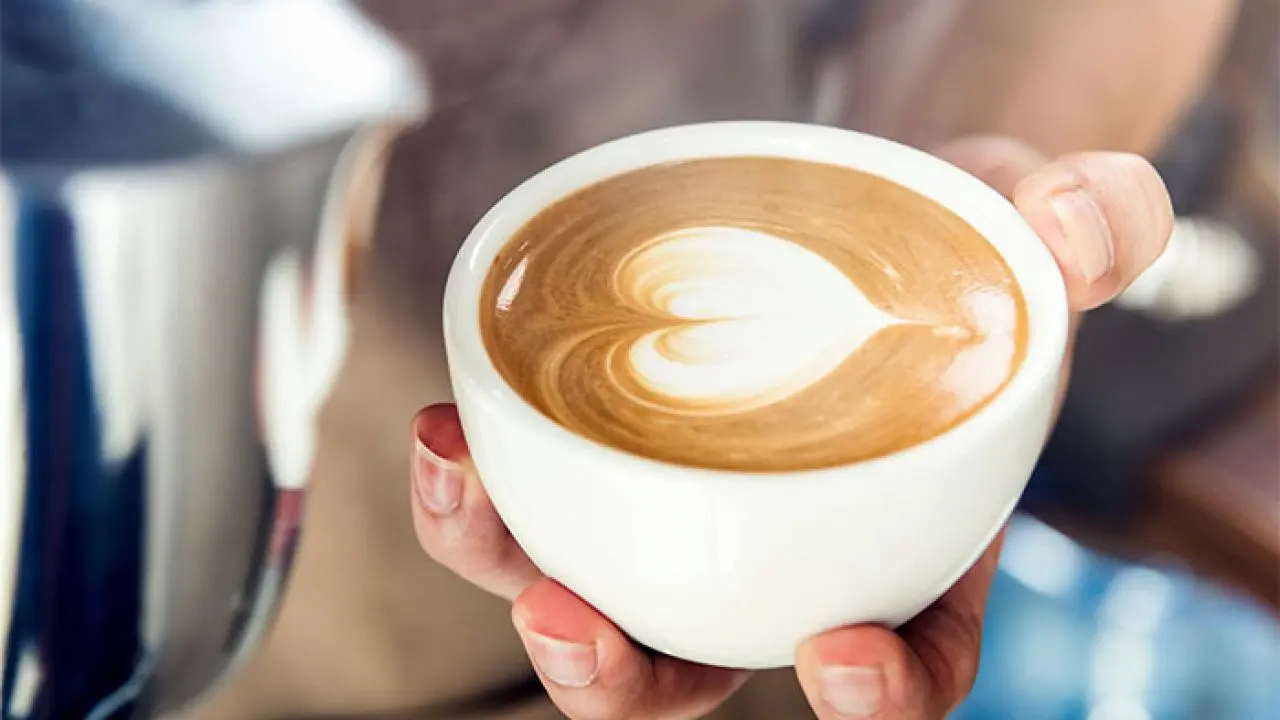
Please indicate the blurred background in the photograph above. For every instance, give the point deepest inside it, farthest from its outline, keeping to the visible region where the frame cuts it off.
(1140, 581)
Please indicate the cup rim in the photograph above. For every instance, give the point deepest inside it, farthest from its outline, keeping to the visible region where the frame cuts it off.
(992, 215)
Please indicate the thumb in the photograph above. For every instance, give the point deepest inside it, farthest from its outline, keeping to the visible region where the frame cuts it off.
(1105, 216)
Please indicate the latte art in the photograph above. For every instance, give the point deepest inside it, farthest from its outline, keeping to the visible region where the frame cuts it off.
(747, 326)
(753, 314)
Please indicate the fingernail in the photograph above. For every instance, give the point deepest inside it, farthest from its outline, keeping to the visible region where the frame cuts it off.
(853, 692)
(437, 482)
(567, 664)
(1085, 228)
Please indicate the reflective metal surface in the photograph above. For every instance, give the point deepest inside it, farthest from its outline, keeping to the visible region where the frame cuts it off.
(171, 319)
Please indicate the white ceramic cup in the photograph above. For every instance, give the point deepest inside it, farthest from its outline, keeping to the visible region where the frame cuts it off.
(736, 569)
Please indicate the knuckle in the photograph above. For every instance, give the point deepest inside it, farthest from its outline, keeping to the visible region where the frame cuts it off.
(951, 654)
(474, 542)
(427, 531)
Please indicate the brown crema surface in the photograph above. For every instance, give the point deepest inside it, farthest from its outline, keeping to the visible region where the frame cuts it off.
(560, 315)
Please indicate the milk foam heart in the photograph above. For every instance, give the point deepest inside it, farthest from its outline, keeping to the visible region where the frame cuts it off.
(767, 318)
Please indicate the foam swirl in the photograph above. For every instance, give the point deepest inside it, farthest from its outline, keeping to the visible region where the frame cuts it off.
(753, 314)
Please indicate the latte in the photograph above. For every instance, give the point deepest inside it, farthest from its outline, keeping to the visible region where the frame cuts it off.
(753, 314)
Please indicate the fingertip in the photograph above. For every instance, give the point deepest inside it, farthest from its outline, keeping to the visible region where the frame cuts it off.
(548, 608)
(437, 430)
(585, 661)
(560, 633)
(592, 669)
(864, 671)
(1071, 225)
(439, 461)
(858, 645)
(1105, 217)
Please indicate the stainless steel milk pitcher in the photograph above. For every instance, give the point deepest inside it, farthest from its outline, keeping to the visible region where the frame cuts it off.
(182, 181)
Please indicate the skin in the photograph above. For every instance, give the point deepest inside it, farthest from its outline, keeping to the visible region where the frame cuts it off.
(1104, 216)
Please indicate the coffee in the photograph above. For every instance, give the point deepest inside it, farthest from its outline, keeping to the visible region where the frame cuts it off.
(753, 314)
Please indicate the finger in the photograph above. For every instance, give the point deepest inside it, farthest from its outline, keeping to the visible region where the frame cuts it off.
(1105, 216)
(594, 672)
(922, 671)
(1005, 164)
(452, 516)
(866, 671)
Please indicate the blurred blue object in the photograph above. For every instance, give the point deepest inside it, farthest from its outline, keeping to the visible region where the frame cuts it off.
(1071, 634)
